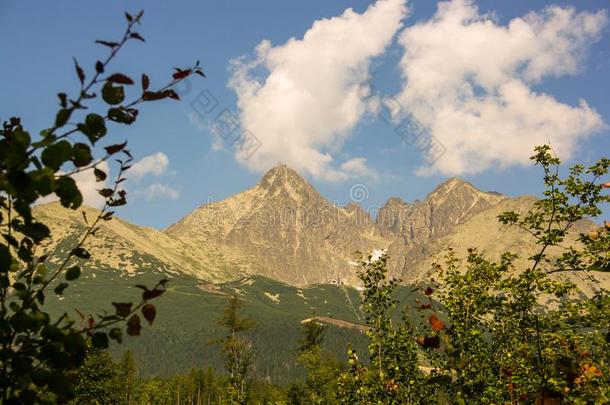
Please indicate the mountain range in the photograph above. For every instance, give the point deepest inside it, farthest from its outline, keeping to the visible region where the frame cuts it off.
(283, 229)
(288, 253)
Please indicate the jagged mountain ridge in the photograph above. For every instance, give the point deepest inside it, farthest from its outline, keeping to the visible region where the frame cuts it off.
(412, 226)
(286, 230)
(282, 228)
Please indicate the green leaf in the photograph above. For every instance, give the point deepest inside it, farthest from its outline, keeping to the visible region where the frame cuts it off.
(113, 95)
(5, 259)
(81, 253)
(68, 193)
(96, 125)
(100, 175)
(100, 340)
(44, 180)
(74, 343)
(55, 155)
(73, 273)
(81, 155)
(116, 334)
(121, 115)
(37, 231)
(60, 385)
(59, 290)
(62, 117)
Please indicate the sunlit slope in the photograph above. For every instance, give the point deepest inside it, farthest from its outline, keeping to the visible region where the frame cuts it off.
(131, 249)
(484, 232)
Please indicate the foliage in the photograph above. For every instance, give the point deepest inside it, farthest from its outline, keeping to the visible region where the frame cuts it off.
(36, 350)
(97, 380)
(237, 351)
(127, 374)
(502, 344)
(500, 333)
(322, 368)
(393, 376)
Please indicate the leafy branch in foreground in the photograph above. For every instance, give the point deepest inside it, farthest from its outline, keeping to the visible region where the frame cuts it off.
(500, 331)
(37, 351)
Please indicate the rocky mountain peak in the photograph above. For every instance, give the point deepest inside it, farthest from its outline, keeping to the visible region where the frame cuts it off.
(282, 181)
(281, 174)
(462, 190)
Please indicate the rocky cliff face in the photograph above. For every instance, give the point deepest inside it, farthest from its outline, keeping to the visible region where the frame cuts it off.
(411, 227)
(286, 230)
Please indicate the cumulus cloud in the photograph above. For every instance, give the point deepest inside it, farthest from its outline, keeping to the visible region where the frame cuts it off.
(310, 98)
(155, 164)
(156, 191)
(469, 80)
(357, 167)
(88, 187)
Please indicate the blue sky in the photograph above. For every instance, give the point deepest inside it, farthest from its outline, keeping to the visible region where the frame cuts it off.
(39, 40)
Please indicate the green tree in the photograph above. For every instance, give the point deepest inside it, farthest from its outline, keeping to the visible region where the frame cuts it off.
(155, 392)
(127, 376)
(237, 351)
(502, 344)
(97, 379)
(393, 376)
(322, 367)
(490, 337)
(36, 349)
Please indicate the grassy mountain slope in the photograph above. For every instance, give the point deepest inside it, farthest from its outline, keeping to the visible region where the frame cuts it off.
(185, 330)
(131, 249)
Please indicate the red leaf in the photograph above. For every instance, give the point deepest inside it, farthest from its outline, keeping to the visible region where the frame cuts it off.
(181, 74)
(152, 95)
(145, 82)
(112, 149)
(122, 308)
(119, 78)
(428, 291)
(99, 67)
(149, 311)
(437, 324)
(149, 295)
(107, 43)
(172, 94)
(159, 95)
(79, 72)
(137, 36)
(134, 326)
(428, 342)
(91, 322)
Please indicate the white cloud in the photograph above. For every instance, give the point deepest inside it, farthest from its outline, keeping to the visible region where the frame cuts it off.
(468, 79)
(311, 99)
(88, 187)
(155, 164)
(156, 191)
(357, 167)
